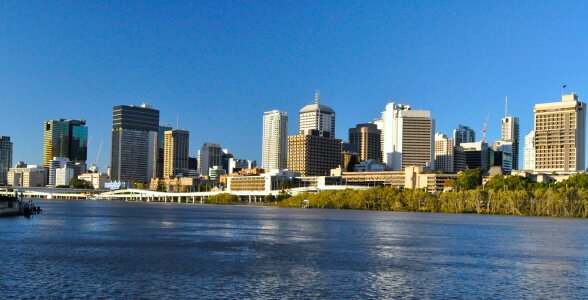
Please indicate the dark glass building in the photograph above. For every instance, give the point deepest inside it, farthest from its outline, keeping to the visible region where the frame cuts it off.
(65, 138)
(5, 158)
(135, 146)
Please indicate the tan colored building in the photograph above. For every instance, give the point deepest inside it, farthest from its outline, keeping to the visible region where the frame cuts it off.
(31, 176)
(560, 135)
(96, 179)
(313, 155)
(181, 185)
(367, 138)
(175, 152)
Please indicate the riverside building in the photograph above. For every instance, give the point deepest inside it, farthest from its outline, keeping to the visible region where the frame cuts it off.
(317, 117)
(65, 138)
(444, 153)
(5, 158)
(367, 138)
(311, 154)
(134, 143)
(560, 135)
(274, 155)
(408, 137)
(209, 156)
(176, 151)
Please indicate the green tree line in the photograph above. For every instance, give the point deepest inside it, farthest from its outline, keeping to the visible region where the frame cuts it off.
(511, 195)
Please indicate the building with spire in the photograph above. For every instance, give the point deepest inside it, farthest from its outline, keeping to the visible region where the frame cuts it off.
(510, 134)
(315, 151)
(317, 116)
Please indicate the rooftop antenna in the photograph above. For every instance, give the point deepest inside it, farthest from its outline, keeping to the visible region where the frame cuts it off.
(506, 107)
(317, 96)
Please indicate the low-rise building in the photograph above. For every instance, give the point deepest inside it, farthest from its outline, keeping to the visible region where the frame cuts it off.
(64, 175)
(96, 179)
(27, 176)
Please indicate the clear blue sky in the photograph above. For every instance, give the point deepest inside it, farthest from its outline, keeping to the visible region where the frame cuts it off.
(219, 66)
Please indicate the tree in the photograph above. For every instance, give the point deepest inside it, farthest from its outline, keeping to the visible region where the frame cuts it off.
(80, 184)
(469, 179)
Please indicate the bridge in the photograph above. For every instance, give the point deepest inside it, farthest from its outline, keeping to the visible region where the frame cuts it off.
(154, 196)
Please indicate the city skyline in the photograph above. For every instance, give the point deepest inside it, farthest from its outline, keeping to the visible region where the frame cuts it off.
(478, 60)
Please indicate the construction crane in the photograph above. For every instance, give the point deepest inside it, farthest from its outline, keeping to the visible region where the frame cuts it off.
(99, 152)
(484, 128)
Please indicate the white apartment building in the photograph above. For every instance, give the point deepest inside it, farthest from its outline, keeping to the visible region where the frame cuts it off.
(529, 154)
(274, 155)
(444, 153)
(408, 137)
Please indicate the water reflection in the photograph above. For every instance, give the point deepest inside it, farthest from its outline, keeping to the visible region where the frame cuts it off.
(100, 249)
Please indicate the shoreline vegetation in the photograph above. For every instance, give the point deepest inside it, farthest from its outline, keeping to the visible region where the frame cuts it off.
(501, 195)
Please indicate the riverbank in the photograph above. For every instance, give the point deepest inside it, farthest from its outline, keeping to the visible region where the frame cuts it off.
(550, 202)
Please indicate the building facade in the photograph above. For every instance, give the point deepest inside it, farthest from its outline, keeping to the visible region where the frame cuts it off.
(367, 138)
(510, 134)
(54, 164)
(317, 117)
(176, 149)
(274, 146)
(408, 137)
(210, 155)
(65, 138)
(444, 153)
(463, 134)
(27, 176)
(161, 149)
(560, 135)
(134, 143)
(5, 158)
(529, 152)
(313, 155)
(477, 155)
(97, 180)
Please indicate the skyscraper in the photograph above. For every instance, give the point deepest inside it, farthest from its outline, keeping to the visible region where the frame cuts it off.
(560, 135)
(529, 152)
(318, 117)
(274, 146)
(176, 149)
(5, 158)
(210, 155)
(510, 133)
(134, 143)
(65, 138)
(444, 153)
(408, 137)
(367, 139)
(313, 155)
(464, 134)
(160, 149)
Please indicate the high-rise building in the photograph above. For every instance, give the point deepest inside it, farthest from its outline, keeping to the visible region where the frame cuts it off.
(57, 163)
(560, 135)
(134, 143)
(210, 155)
(318, 117)
(408, 137)
(529, 154)
(313, 155)
(367, 138)
(274, 146)
(65, 138)
(379, 122)
(5, 158)
(463, 134)
(444, 153)
(160, 149)
(176, 149)
(510, 133)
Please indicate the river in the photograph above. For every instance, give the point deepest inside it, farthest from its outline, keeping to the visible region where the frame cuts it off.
(110, 249)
